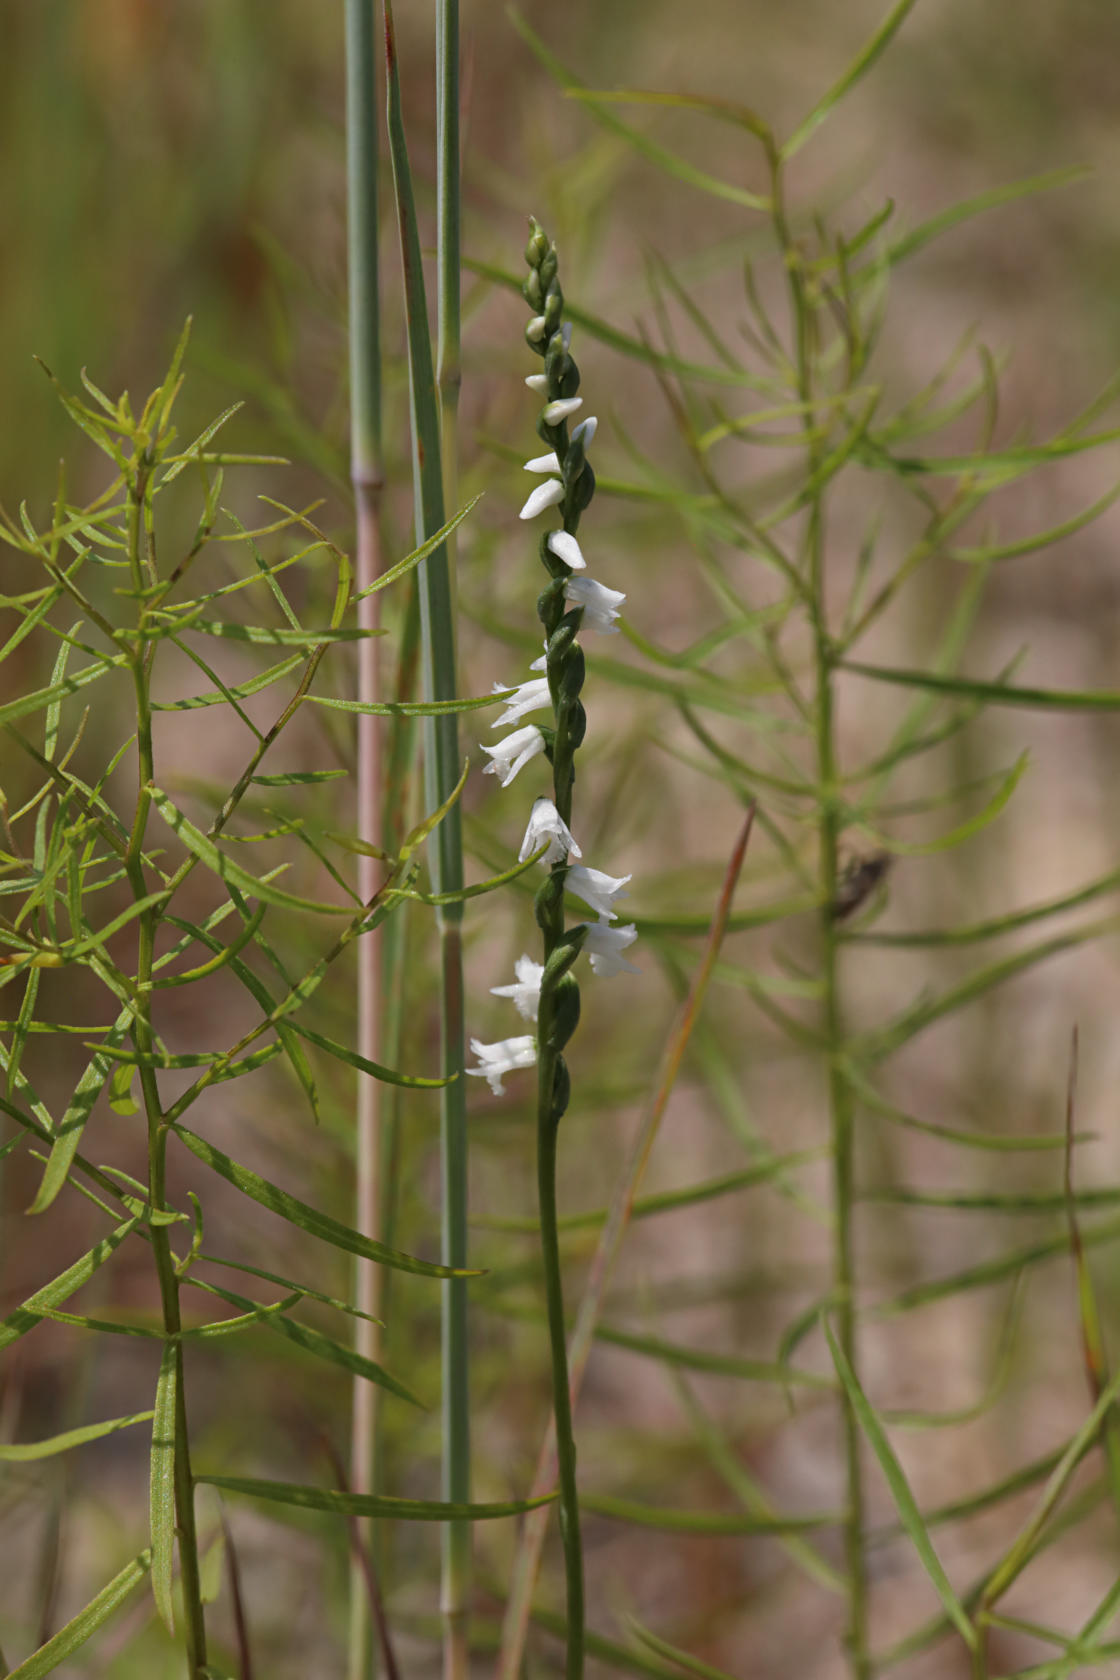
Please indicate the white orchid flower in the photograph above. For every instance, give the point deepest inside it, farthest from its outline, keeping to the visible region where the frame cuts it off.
(549, 463)
(566, 548)
(600, 604)
(526, 989)
(527, 697)
(544, 496)
(513, 754)
(554, 412)
(605, 944)
(496, 1060)
(597, 889)
(546, 823)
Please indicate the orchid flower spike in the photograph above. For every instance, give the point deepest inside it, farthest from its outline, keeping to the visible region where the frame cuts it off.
(605, 945)
(527, 697)
(496, 1060)
(526, 989)
(546, 823)
(514, 753)
(597, 889)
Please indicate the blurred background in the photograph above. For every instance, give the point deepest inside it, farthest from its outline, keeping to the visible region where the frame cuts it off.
(173, 160)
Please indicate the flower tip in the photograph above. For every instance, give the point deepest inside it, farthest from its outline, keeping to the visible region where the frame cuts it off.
(566, 548)
(559, 410)
(544, 496)
(549, 463)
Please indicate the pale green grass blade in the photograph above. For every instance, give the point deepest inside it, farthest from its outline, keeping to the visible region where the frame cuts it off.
(926, 938)
(232, 873)
(27, 1452)
(41, 698)
(992, 694)
(716, 1364)
(162, 1487)
(27, 1316)
(306, 1498)
(309, 1219)
(673, 1653)
(85, 1624)
(859, 67)
(704, 1522)
(669, 162)
(317, 1344)
(987, 1272)
(909, 1514)
(924, 234)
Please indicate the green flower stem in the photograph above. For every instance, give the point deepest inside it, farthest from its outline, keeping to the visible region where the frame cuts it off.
(558, 1013)
(367, 478)
(841, 1107)
(142, 568)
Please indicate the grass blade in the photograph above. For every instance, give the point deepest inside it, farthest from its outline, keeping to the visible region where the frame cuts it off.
(905, 1503)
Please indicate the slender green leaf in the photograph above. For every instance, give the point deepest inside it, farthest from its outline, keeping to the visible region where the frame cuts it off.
(27, 1316)
(669, 162)
(237, 691)
(855, 72)
(229, 872)
(162, 1486)
(26, 1452)
(68, 1134)
(81, 1627)
(704, 1522)
(718, 1364)
(40, 698)
(366, 1504)
(316, 1343)
(674, 1654)
(298, 1213)
(995, 694)
(392, 573)
(909, 1514)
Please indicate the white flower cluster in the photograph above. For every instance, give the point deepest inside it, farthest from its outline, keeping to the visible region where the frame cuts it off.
(604, 942)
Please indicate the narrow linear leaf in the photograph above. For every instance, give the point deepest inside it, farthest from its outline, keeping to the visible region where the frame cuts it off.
(162, 1484)
(27, 1316)
(704, 1522)
(264, 635)
(316, 1343)
(409, 708)
(674, 1654)
(68, 1134)
(43, 697)
(308, 1219)
(366, 1504)
(718, 1364)
(26, 1452)
(989, 693)
(239, 691)
(227, 871)
(81, 1627)
(392, 573)
(855, 72)
(905, 1503)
